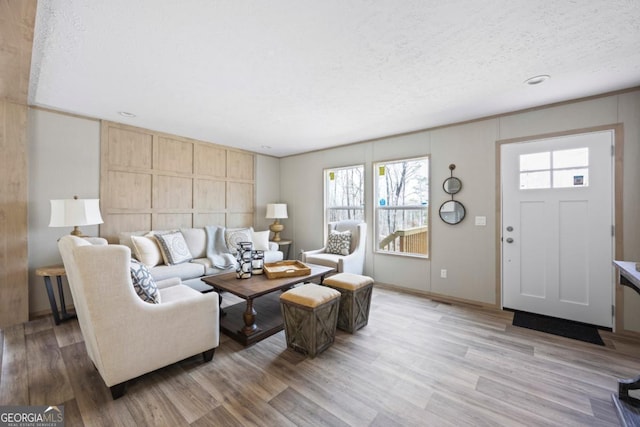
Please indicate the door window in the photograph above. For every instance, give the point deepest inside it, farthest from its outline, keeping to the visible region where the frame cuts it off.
(555, 169)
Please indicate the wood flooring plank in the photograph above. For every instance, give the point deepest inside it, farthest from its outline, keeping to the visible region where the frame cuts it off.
(38, 325)
(190, 399)
(302, 411)
(149, 405)
(47, 369)
(72, 415)
(219, 416)
(14, 380)
(91, 394)
(521, 398)
(68, 333)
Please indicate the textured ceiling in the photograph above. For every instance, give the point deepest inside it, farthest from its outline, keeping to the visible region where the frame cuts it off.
(298, 76)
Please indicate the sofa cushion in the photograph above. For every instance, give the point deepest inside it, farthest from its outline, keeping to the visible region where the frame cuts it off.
(260, 240)
(196, 239)
(143, 283)
(233, 236)
(185, 271)
(174, 248)
(339, 242)
(147, 250)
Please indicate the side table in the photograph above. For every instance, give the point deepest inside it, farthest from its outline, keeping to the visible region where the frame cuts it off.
(286, 243)
(58, 272)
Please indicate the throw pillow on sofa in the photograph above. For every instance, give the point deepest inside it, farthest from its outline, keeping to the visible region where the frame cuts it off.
(143, 283)
(173, 247)
(233, 236)
(339, 242)
(147, 250)
(260, 240)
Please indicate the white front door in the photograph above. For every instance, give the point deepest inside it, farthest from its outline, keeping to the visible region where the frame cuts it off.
(557, 222)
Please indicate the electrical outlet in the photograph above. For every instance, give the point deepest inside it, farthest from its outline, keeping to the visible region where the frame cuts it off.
(443, 274)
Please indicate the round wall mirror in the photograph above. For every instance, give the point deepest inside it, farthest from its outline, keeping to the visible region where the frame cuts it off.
(452, 185)
(452, 212)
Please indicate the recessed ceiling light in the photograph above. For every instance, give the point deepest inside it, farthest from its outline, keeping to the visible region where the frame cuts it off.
(126, 114)
(266, 147)
(536, 80)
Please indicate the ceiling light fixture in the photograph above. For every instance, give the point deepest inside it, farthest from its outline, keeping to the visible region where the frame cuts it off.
(536, 80)
(266, 147)
(126, 114)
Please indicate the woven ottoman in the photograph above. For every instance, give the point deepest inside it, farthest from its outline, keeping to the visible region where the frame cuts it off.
(355, 300)
(310, 314)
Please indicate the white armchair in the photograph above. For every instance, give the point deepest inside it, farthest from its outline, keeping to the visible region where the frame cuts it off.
(126, 337)
(352, 263)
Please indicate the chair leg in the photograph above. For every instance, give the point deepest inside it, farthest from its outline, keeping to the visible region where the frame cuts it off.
(208, 355)
(117, 391)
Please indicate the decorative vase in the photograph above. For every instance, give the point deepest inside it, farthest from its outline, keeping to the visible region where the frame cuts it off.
(257, 263)
(244, 256)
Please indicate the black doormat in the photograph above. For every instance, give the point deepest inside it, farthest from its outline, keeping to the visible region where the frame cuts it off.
(552, 325)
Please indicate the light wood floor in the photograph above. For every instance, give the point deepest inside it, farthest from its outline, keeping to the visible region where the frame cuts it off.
(418, 362)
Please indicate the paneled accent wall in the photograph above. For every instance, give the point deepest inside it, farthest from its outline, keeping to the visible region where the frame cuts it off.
(14, 288)
(16, 38)
(154, 181)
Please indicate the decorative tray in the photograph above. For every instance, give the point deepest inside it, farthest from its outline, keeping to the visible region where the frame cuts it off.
(275, 270)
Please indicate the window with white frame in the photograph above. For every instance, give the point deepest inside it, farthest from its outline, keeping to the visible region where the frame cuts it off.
(402, 206)
(344, 193)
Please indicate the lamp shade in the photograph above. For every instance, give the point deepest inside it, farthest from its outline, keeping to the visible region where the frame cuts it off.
(75, 212)
(276, 210)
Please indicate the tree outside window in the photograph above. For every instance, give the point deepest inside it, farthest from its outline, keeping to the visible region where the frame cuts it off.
(344, 193)
(402, 206)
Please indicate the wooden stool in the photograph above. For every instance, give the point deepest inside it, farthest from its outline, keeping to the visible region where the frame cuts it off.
(310, 314)
(355, 301)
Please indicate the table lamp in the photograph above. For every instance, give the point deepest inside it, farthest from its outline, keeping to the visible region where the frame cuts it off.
(276, 211)
(74, 213)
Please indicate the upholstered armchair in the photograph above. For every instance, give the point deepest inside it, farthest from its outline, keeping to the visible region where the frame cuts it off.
(126, 337)
(353, 261)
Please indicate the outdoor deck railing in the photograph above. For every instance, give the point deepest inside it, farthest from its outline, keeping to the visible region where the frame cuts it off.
(412, 240)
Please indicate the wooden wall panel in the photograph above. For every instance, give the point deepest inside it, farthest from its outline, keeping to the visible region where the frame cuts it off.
(174, 156)
(123, 222)
(209, 195)
(172, 221)
(239, 220)
(14, 286)
(128, 149)
(203, 219)
(239, 197)
(129, 190)
(240, 165)
(210, 160)
(172, 192)
(154, 181)
(17, 19)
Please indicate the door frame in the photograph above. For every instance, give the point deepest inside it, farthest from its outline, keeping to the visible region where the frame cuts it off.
(618, 129)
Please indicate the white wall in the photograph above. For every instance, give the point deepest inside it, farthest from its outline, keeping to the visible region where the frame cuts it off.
(468, 252)
(267, 189)
(64, 161)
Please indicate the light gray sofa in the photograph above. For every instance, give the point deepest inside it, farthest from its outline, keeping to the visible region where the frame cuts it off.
(189, 272)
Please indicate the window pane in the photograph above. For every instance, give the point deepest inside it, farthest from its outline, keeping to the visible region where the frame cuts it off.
(571, 178)
(571, 158)
(533, 180)
(535, 161)
(344, 193)
(344, 214)
(402, 200)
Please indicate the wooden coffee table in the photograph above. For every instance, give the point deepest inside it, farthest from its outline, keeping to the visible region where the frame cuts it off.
(240, 321)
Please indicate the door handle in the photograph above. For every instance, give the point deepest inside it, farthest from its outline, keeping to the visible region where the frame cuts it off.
(509, 240)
